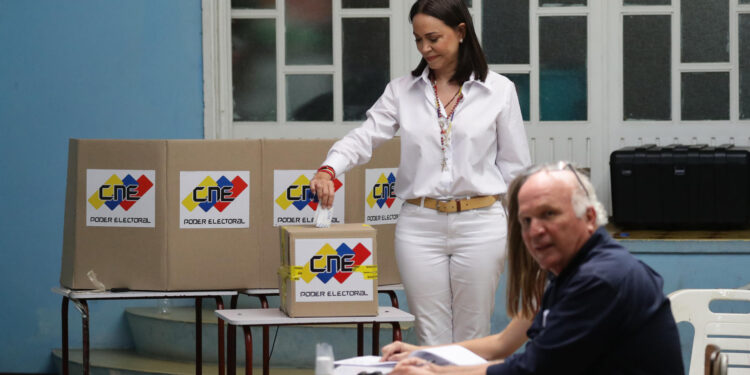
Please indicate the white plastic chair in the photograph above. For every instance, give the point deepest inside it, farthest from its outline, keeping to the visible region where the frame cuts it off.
(732, 329)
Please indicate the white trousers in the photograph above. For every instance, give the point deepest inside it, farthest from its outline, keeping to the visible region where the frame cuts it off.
(450, 265)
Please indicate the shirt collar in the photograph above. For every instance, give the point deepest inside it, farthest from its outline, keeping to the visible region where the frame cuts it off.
(425, 77)
(599, 236)
(422, 77)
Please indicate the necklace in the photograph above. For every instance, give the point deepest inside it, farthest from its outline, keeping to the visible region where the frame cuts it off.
(454, 97)
(446, 122)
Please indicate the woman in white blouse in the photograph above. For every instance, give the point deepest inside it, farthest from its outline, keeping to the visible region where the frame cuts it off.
(462, 142)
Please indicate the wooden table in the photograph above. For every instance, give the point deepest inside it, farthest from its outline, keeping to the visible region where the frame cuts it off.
(80, 298)
(266, 317)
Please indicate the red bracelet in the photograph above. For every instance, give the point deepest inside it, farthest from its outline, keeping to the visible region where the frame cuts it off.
(329, 170)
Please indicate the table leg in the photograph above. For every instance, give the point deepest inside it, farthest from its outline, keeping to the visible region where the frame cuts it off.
(394, 298)
(375, 338)
(231, 349)
(360, 339)
(263, 301)
(85, 328)
(198, 335)
(232, 341)
(248, 350)
(396, 331)
(220, 306)
(65, 349)
(266, 353)
(376, 326)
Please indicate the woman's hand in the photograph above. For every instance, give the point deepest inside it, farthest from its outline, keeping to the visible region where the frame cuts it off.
(415, 366)
(322, 185)
(397, 351)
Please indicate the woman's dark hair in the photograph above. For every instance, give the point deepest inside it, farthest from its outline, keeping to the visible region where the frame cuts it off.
(470, 55)
(525, 287)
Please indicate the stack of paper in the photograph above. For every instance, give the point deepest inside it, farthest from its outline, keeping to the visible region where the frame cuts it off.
(449, 355)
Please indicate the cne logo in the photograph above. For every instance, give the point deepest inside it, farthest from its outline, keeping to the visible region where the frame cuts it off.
(337, 263)
(382, 192)
(120, 192)
(216, 194)
(298, 194)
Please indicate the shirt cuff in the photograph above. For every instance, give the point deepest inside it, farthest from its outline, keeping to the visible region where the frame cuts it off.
(496, 369)
(336, 161)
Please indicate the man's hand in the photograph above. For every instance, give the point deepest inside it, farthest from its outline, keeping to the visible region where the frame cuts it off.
(415, 366)
(322, 185)
(397, 351)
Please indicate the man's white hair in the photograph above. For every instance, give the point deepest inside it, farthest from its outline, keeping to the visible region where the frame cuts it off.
(580, 198)
(581, 201)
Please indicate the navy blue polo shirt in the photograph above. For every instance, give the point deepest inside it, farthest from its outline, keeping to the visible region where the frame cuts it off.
(605, 313)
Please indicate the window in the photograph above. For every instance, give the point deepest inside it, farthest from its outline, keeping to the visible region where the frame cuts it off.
(684, 72)
(298, 68)
(591, 76)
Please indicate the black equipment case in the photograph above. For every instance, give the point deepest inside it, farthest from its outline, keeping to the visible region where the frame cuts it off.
(679, 186)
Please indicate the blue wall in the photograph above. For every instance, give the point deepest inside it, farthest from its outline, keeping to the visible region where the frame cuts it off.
(84, 69)
(133, 69)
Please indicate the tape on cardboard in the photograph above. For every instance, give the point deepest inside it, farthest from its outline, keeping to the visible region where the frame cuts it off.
(290, 272)
(369, 272)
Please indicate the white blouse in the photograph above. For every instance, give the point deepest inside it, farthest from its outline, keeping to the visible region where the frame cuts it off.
(488, 141)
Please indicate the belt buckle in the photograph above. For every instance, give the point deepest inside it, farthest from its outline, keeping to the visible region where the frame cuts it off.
(446, 207)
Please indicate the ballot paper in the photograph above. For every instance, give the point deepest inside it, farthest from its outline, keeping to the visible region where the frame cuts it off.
(449, 355)
(323, 217)
(365, 361)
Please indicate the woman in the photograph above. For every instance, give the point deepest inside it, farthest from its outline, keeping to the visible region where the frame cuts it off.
(462, 141)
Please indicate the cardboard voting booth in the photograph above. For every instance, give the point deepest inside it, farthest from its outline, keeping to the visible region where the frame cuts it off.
(288, 167)
(115, 214)
(161, 215)
(213, 218)
(205, 214)
(328, 271)
(371, 199)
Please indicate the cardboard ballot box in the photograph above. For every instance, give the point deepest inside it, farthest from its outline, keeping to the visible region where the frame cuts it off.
(328, 271)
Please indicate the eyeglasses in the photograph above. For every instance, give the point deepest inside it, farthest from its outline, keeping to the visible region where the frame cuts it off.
(559, 166)
(580, 182)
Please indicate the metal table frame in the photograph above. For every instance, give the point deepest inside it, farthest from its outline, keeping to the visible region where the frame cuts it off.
(263, 294)
(266, 317)
(80, 298)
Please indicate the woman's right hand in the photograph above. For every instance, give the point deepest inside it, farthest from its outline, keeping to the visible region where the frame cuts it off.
(322, 185)
(397, 351)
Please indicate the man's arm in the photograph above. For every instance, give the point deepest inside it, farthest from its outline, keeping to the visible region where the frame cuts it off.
(497, 346)
(418, 366)
(577, 330)
(500, 345)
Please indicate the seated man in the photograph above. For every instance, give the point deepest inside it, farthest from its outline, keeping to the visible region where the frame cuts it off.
(602, 311)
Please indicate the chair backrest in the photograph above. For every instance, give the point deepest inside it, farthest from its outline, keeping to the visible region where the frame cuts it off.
(729, 331)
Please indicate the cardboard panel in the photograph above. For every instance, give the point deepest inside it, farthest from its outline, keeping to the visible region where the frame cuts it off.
(213, 245)
(115, 223)
(334, 273)
(282, 154)
(388, 155)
